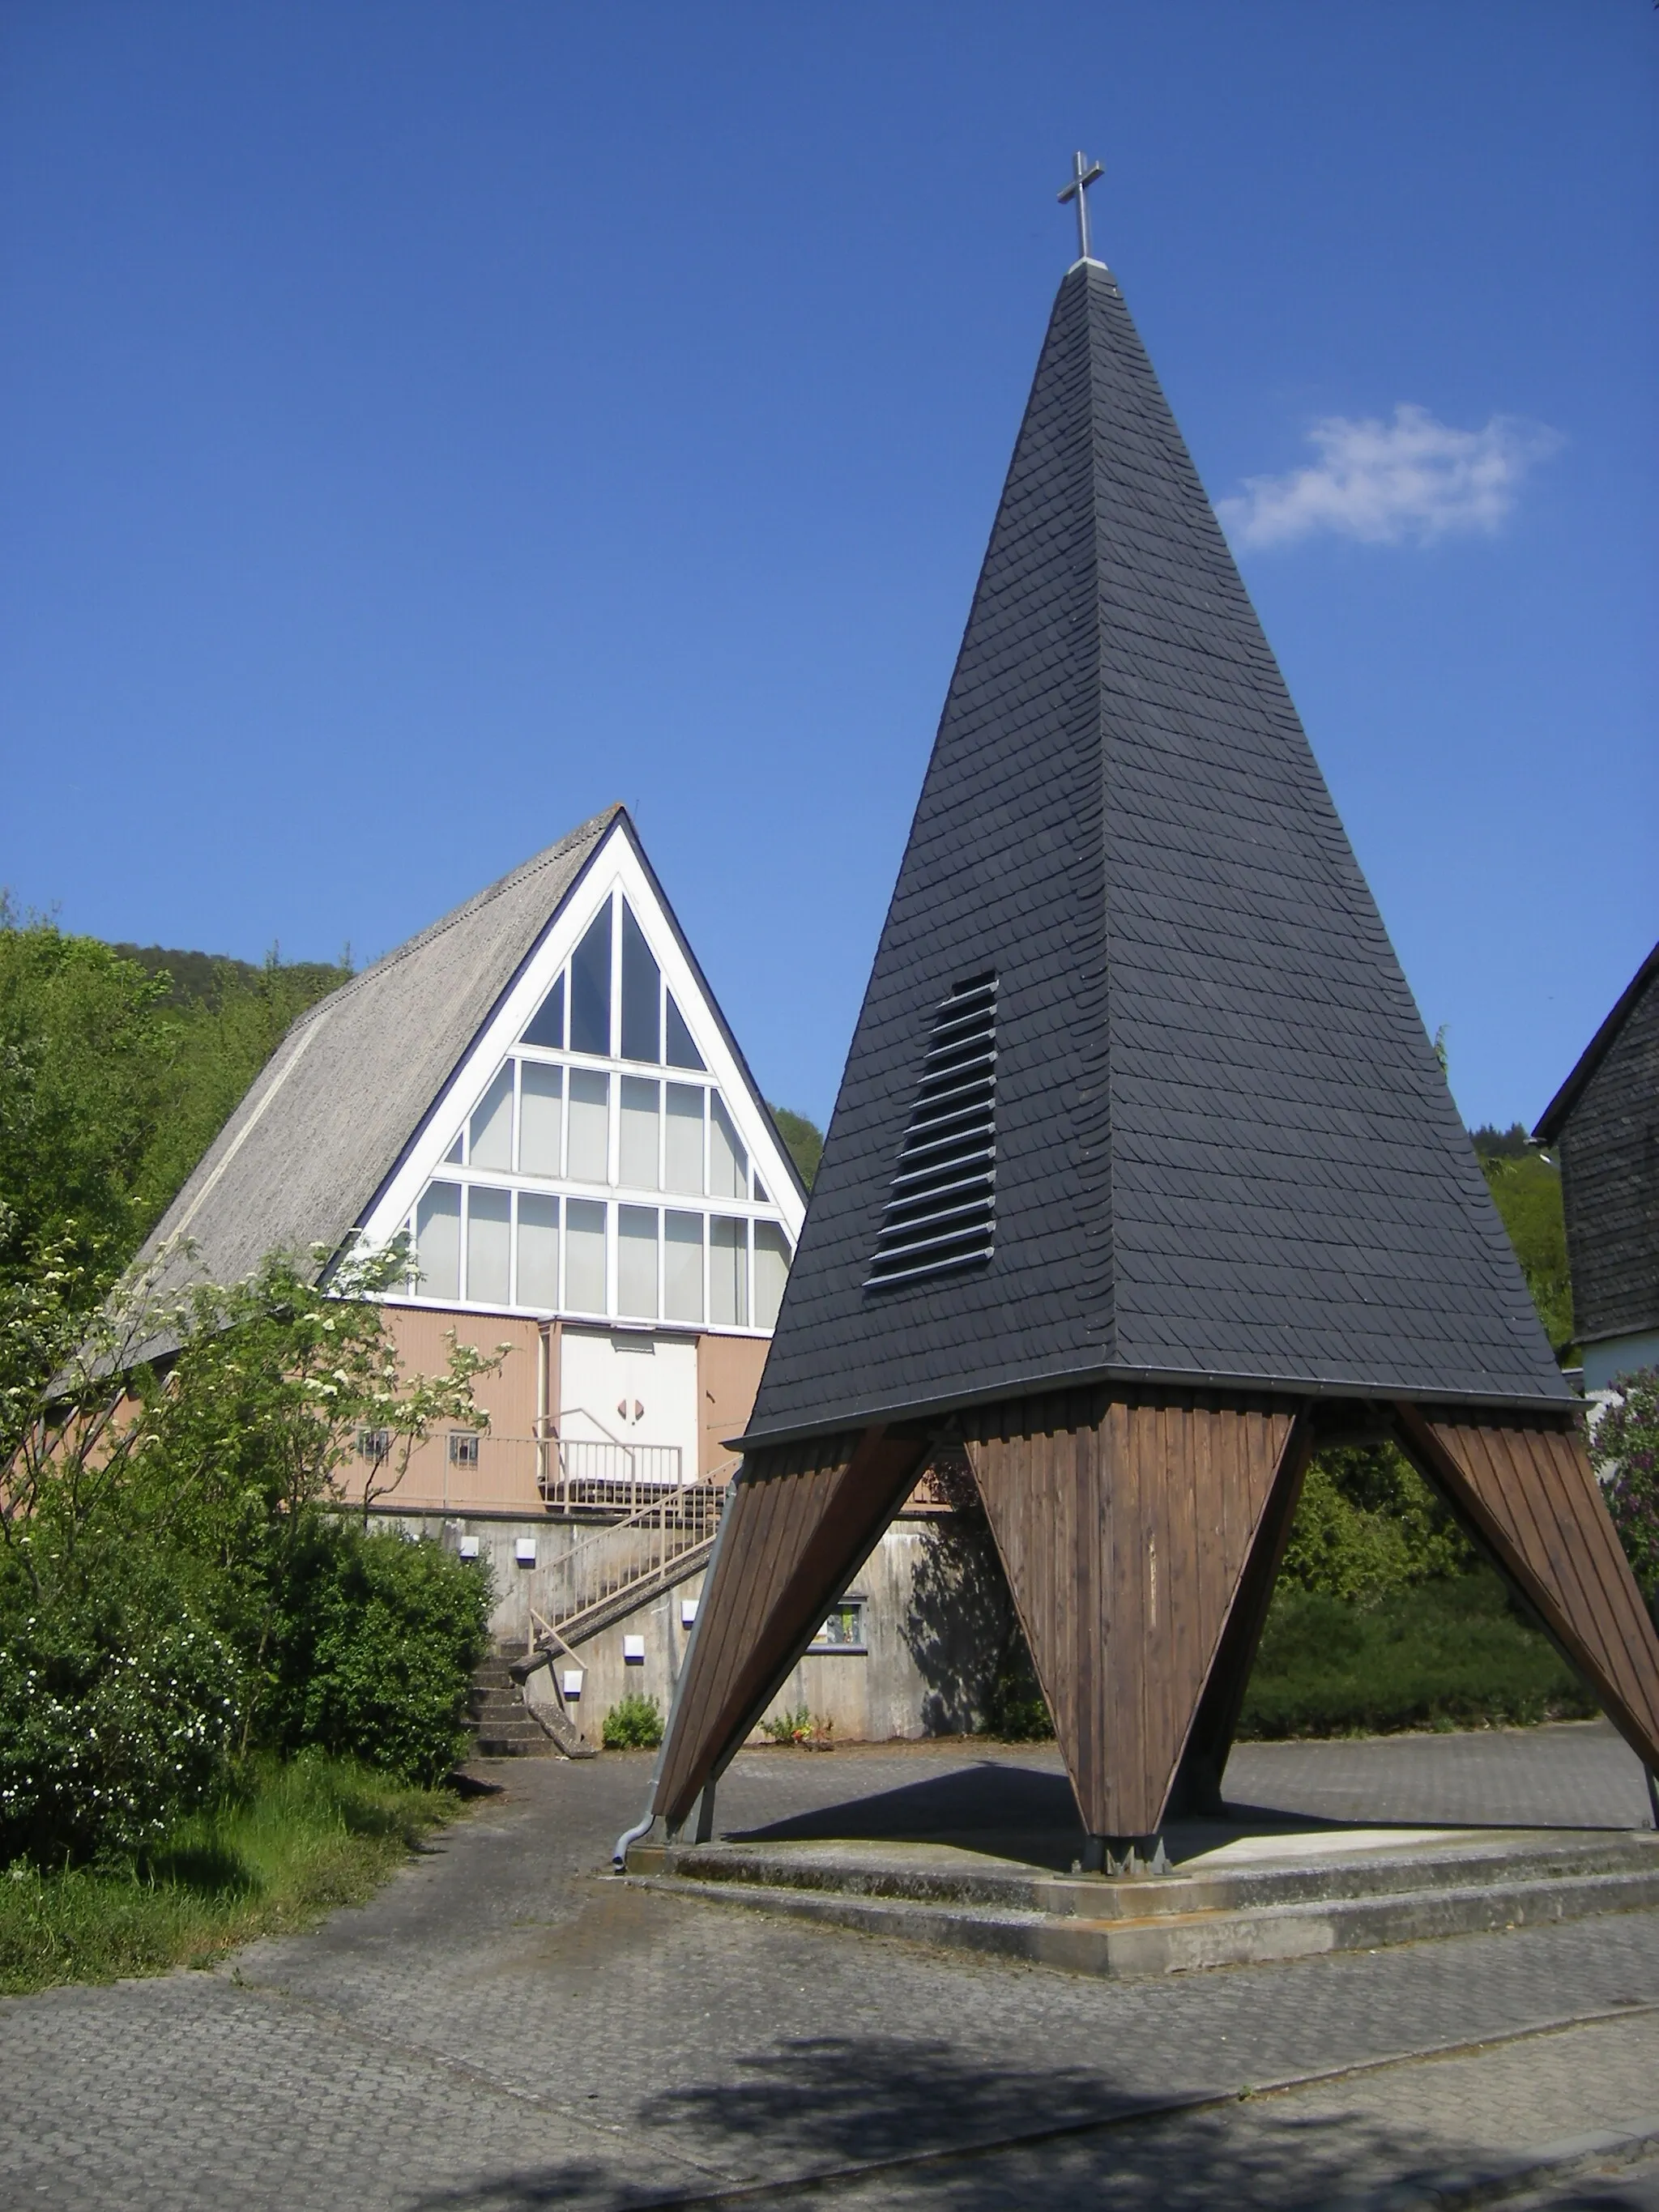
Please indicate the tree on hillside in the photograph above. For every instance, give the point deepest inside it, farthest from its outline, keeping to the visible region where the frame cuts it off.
(85, 1055)
(804, 1139)
(113, 1084)
(1526, 1187)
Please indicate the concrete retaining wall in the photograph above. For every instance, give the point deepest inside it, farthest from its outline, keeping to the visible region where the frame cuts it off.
(888, 1688)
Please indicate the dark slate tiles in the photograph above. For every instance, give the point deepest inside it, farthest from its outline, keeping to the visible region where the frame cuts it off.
(1224, 1147)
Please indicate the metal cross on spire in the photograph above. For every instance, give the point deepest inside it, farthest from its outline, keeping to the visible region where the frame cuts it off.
(1084, 173)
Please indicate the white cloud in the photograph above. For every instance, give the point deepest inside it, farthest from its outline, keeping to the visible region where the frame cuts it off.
(1409, 481)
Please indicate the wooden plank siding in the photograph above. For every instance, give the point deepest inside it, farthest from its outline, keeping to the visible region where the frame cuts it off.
(802, 1519)
(1125, 1526)
(1197, 1789)
(1532, 1498)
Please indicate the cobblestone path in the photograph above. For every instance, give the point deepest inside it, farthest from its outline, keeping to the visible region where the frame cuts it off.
(504, 2028)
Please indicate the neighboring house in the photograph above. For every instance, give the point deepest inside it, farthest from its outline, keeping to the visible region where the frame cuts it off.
(542, 1092)
(1604, 1125)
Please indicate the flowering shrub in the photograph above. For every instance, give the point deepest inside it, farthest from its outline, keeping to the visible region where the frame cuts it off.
(112, 1721)
(1624, 1453)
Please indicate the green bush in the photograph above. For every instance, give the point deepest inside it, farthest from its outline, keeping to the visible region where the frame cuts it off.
(117, 1712)
(1367, 1524)
(1443, 1653)
(632, 1723)
(376, 1647)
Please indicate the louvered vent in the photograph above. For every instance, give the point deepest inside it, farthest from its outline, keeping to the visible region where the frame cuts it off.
(940, 1213)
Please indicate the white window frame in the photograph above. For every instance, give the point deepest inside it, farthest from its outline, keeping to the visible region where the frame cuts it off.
(615, 873)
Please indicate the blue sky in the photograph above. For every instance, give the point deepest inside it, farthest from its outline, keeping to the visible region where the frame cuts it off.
(422, 424)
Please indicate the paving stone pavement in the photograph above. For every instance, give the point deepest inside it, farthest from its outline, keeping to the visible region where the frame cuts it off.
(506, 2028)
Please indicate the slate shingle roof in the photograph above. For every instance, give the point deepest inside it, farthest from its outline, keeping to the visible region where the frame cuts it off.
(1224, 1147)
(329, 1116)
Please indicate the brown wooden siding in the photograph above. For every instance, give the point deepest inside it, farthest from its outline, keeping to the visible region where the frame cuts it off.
(1609, 1153)
(801, 1520)
(1125, 1527)
(1532, 1496)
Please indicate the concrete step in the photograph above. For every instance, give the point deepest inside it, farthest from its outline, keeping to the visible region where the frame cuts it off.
(1263, 1897)
(502, 1725)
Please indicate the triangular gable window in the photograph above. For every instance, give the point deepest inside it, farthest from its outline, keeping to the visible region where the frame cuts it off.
(547, 1024)
(682, 1053)
(641, 995)
(590, 988)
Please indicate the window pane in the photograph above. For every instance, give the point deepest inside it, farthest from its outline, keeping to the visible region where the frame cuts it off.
(728, 1162)
(637, 1169)
(772, 1258)
(682, 1279)
(728, 1272)
(455, 1152)
(590, 988)
(590, 1126)
(682, 1053)
(682, 1167)
(641, 995)
(491, 1141)
(539, 1250)
(547, 1024)
(541, 1115)
(584, 1256)
(438, 1239)
(488, 1214)
(636, 1261)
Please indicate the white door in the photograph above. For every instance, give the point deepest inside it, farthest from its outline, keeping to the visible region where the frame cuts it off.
(628, 1404)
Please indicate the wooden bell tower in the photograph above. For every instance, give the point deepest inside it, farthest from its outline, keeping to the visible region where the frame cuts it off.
(1142, 1178)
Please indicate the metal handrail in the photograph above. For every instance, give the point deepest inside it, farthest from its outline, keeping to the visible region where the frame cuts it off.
(675, 1522)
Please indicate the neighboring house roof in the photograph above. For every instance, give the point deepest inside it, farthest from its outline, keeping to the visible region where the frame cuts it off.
(1604, 1124)
(1558, 1112)
(1225, 1151)
(329, 1115)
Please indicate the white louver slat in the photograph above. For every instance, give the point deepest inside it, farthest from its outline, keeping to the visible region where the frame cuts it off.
(940, 1210)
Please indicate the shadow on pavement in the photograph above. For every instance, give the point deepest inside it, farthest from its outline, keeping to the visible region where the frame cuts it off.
(1010, 2139)
(1017, 1813)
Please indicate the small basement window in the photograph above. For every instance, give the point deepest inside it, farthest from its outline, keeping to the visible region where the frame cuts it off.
(463, 1448)
(844, 1629)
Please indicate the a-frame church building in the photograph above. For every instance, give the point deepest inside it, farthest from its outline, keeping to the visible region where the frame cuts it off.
(542, 1092)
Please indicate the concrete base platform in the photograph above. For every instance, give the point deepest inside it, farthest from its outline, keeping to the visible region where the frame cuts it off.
(1236, 1894)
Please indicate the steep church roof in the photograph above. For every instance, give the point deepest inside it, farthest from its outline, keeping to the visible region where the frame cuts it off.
(1131, 964)
(329, 1116)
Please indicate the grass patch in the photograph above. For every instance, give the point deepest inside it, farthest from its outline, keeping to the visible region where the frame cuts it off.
(292, 1841)
(1455, 1653)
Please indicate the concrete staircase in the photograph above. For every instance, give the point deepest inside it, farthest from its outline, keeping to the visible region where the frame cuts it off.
(502, 1724)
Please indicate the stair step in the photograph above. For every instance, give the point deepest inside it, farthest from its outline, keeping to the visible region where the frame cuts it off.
(1315, 1899)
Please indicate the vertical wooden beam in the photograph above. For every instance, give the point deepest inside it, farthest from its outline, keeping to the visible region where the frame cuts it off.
(1197, 1789)
(1531, 1495)
(801, 1520)
(1125, 1526)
